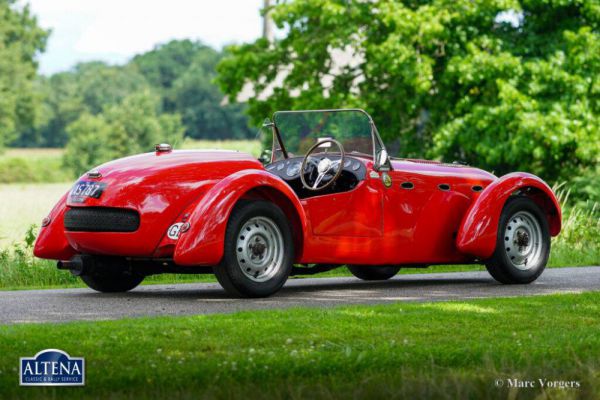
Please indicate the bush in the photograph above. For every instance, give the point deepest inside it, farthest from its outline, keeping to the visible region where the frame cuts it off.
(32, 170)
(134, 126)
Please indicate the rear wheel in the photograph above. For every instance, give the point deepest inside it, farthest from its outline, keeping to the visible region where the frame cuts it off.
(258, 251)
(112, 281)
(523, 243)
(373, 273)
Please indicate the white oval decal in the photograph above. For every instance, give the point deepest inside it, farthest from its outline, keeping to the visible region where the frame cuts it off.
(174, 231)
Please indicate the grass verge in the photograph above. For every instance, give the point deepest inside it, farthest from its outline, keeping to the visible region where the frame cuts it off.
(440, 350)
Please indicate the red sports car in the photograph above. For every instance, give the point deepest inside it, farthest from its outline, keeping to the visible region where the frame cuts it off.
(329, 196)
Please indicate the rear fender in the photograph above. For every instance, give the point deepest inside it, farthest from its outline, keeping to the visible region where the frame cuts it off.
(479, 227)
(51, 242)
(202, 243)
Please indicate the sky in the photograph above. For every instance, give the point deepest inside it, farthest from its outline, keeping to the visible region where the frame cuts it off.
(116, 30)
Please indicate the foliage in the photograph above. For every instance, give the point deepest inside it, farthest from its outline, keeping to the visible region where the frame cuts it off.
(21, 39)
(199, 101)
(43, 170)
(183, 73)
(180, 73)
(579, 238)
(443, 350)
(88, 88)
(450, 79)
(130, 127)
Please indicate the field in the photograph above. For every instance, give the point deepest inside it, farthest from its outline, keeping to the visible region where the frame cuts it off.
(441, 350)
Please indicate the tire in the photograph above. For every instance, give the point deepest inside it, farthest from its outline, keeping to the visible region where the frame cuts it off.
(373, 273)
(113, 282)
(258, 251)
(522, 244)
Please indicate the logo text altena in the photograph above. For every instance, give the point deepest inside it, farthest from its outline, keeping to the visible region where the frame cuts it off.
(52, 367)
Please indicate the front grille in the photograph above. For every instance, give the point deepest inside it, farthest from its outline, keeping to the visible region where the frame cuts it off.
(101, 219)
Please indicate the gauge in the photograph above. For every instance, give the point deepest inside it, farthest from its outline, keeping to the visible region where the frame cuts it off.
(280, 167)
(293, 169)
(347, 163)
(271, 167)
(355, 166)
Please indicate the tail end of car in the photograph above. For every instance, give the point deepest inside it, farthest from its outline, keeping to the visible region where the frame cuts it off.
(52, 243)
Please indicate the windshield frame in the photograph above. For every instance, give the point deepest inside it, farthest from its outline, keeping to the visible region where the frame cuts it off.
(279, 145)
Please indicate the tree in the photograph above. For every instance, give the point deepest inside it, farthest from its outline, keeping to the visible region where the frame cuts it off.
(183, 72)
(502, 84)
(130, 127)
(199, 101)
(21, 39)
(166, 63)
(87, 88)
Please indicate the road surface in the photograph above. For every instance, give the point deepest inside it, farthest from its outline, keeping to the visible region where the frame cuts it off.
(208, 298)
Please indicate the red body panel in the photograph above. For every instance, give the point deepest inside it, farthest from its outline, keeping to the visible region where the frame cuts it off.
(479, 229)
(160, 186)
(421, 223)
(395, 225)
(203, 243)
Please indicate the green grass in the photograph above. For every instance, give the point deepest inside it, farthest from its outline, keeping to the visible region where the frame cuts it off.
(33, 166)
(443, 350)
(23, 205)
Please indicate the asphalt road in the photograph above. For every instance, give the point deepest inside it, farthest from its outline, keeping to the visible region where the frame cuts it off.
(208, 298)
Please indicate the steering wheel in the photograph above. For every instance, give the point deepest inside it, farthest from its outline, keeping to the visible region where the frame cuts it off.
(324, 167)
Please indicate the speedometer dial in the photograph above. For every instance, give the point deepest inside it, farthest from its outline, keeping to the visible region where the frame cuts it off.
(293, 169)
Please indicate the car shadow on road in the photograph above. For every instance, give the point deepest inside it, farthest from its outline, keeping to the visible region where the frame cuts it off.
(296, 288)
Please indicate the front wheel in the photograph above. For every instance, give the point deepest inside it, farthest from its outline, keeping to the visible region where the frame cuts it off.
(373, 273)
(258, 251)
(523, 243)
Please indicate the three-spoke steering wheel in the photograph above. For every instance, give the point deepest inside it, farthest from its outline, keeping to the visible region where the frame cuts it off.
(325, 167)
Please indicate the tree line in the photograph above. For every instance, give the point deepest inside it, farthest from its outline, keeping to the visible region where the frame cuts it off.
(166, 93)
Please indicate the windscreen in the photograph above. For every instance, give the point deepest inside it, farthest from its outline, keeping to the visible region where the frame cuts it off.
(300, 130)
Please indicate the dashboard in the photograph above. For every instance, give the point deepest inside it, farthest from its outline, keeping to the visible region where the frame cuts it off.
(353, 171)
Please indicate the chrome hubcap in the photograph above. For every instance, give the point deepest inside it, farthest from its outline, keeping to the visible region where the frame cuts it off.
(259, 249)
(523, 240)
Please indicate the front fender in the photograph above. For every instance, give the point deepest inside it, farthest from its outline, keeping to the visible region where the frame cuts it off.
(51, 242)
(479, 227)
(203, 243)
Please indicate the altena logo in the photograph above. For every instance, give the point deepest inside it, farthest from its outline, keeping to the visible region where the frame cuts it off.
(52, 367)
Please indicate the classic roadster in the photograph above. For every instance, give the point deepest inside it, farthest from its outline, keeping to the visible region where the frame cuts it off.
(329, 195)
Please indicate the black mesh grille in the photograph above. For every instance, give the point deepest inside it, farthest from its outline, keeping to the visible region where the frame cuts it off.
(101, 219)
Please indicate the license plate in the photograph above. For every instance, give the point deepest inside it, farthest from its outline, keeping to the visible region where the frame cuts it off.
(85, 189)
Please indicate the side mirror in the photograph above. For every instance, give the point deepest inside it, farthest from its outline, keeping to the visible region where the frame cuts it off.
(382, 161)
(265, 157)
